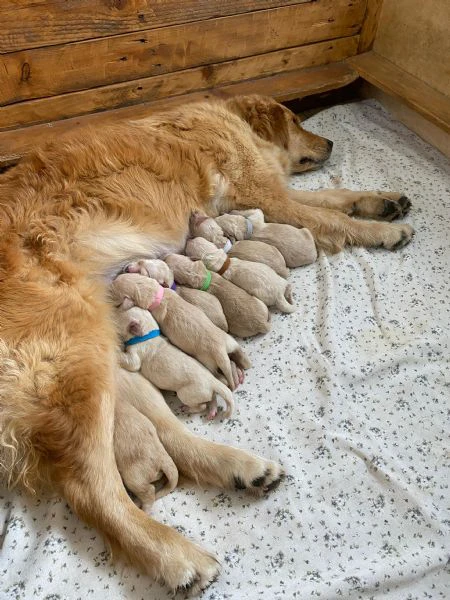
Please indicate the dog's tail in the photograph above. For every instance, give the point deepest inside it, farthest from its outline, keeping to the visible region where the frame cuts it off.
(285, 302)
(224, 364)
(221, 390)
(171, 477)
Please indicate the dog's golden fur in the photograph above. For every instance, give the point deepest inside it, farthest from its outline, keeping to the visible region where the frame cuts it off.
(72, 215)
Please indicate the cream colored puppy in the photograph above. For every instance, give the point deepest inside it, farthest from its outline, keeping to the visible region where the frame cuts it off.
(245, 314)
(296, 245)
(154, 268)
(252, 250)
(159, 270)
(167, 367)
(185, 325)
(144, 465)
(257, 279)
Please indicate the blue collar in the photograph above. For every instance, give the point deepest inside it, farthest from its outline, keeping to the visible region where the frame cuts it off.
(249, 232)
(138, 339)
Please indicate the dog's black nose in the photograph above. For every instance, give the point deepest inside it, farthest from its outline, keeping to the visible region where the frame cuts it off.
(330, 145)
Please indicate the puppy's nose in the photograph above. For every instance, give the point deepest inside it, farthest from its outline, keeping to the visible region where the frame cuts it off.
(330, 145)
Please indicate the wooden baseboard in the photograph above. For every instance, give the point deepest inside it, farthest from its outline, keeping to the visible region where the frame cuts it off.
(428, 131)
(299, 83)
(414, 93)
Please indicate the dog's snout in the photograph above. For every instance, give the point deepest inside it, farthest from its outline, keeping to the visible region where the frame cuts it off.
(330, 145)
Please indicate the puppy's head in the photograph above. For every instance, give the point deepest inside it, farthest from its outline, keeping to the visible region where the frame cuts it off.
(129, 290)
(154, 268)
(187, 272)
(234, 226)
(206, 227)
(134, 322)
(275, 123)
(200, 249)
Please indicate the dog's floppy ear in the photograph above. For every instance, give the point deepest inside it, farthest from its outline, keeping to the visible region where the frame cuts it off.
(265, 116)
(135, 328)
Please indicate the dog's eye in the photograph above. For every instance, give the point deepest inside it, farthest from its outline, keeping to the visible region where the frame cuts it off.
(303, 161)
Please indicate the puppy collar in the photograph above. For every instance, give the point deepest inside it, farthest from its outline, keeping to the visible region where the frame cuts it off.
(249, 230)
(224, 267)
(227, 246)
(173, 286)
(142, 338)
(207, 282)
(157, 301)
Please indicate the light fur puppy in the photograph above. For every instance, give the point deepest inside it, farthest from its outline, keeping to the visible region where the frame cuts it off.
(144, 465)
(206, 227)
(209, 304)
(167, 367)
(185, 325)
(257, 279)
(154, 268)
(296, 245)
(159, 270)
(245, 314)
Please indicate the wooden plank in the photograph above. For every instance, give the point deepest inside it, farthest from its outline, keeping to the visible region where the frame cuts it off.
(415, 36)
(418, 95)
(59, 69)
(370, 25)
(423, 127)
(284, 86)
(28, 24)
(172, 84)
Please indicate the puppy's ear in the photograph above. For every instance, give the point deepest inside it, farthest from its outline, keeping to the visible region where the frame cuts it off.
(135, 328)
(127, 303)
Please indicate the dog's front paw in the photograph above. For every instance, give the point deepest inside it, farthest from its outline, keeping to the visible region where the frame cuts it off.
(384, 206)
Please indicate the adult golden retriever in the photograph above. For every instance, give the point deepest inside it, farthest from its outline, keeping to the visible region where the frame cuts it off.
(72, 215)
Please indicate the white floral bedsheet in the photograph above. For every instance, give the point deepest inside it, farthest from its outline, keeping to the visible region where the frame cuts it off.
(351, 394)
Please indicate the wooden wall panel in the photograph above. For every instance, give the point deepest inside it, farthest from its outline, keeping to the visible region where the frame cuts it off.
(31, 24)
(415, 36)
(58, 69)
(370, 25)
(172, 84)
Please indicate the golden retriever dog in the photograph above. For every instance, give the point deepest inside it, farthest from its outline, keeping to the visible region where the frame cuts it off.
(73, 214)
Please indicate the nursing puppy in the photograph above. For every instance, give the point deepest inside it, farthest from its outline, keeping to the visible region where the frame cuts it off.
(254, 251)
(209, 304)
(154, 268)
(166, 366)
(144, 465)
(245, 314)
(296, 245)
(257, 279)
(185, 325)
(159, 270)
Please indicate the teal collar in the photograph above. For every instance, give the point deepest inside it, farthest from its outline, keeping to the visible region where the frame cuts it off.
(142, 338)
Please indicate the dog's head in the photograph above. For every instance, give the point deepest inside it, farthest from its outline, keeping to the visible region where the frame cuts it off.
(134, 322)
(277, 124)
(154, 268)
(203, 226)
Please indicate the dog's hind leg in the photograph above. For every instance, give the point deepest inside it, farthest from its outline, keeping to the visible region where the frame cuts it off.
(197, 459)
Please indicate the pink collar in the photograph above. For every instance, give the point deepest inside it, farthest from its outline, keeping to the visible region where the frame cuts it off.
(157, 301)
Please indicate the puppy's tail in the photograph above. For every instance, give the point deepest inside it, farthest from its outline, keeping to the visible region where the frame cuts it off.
(221, 390)
(285, 302)
(224, 364)
(170, 472)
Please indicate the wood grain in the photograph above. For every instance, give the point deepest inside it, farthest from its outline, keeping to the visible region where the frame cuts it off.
(172, 84)
(59, 69)
(370, 25)
(415, 36)
(284, 86)
(27, 24)
(416, 94)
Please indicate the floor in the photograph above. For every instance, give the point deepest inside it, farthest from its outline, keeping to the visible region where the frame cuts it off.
(350, 393)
